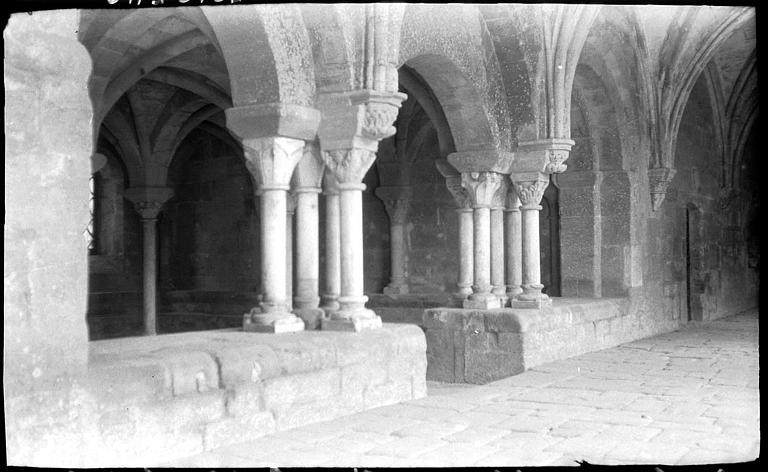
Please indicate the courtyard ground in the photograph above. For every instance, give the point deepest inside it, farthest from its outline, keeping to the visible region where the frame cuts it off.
(687, 397)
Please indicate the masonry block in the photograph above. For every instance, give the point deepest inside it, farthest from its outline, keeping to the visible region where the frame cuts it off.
(238, 429)
(303, 387)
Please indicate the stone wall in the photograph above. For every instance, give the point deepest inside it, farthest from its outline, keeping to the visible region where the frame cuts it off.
(47, 166)
(209, 230)
(144, 401)
(480, 346)
(693, 236)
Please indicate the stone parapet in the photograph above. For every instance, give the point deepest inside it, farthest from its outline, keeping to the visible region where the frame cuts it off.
(144, 401)
(480, 346)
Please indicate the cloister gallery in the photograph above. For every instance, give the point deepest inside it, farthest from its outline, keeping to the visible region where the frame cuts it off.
(296, 212)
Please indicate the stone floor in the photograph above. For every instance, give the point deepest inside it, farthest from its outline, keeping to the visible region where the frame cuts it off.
(688, 397)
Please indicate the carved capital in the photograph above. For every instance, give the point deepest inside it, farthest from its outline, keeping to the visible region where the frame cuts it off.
(481, 187)
(349, 166)
(357, 119)
(459, 193)
(512, 200)
(397, 201)
(379, 118)
(658, 182)
(310, 169)
(546, 155)
(500, 197)
(271, 161)
(148, 210)
(330, 185)
(530, 192)
(148, 201)
(556, 160)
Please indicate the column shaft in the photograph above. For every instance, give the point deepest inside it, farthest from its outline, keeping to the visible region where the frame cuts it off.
(398, 283)
(352, 290)
(531, 264)
(332, 286)
(307, 259)
(273, 254)
(352, 314)
(481, 296)
(466, 252)
(150, 276)
(497, 254)
(514, 250)
(290, 211)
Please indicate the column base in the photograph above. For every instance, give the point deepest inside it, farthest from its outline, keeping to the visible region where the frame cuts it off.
(310, 316)
(330, 304)
(355, 324)
(536, 303)
(501, 294)
(395, 289)
(285, 323)
(484, 301)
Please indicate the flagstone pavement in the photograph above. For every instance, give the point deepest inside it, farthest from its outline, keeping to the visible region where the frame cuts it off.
(686, 397)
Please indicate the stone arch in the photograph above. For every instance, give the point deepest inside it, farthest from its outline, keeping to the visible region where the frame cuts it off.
(279, 67)
(459, 99)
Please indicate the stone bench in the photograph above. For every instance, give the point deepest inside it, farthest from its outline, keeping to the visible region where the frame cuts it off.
(480, 346)
(147, 400)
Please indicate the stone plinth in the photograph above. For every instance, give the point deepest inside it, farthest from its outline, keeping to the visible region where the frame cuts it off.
(480, 346)
(145, 401)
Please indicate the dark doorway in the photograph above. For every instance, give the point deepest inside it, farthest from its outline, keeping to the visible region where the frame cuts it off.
(693, 282)
(549, 240)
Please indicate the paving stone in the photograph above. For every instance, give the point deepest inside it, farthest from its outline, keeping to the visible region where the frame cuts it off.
(508, 458)
(639, 452)
(477, 436)
(645, 403)
(429, 428)
(407, 447)
(452, 455)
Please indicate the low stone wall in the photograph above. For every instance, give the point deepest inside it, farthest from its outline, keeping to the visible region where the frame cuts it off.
(406, 308)
(480, 346)
(147, 400)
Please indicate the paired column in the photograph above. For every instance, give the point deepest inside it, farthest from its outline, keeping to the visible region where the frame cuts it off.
(290, 211)
(530, 190)
(397, 201)
(481, 187)
(513, 244)
(332, 286)
(306, 182)
(148, 202)
(497, 243)
(466, 229)
(353, 123)
(271, 162)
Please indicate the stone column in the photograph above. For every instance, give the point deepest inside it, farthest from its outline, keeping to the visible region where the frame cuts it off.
(306, 182)
(531, 167)
(397, 201)
(353, 123)
(148, 202)
(481, 187)
(497, 244)
(290, 211)
(530, 191)
(332, 285)
(271, 162)
(514, 245)
(466, 229)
